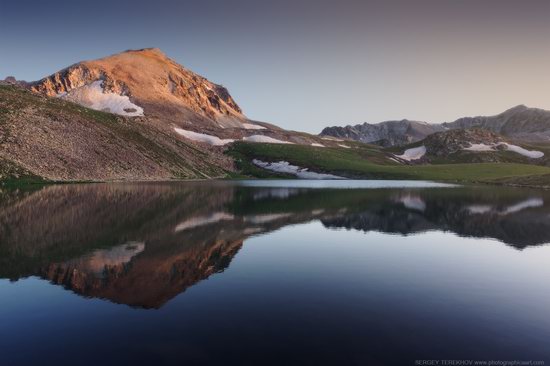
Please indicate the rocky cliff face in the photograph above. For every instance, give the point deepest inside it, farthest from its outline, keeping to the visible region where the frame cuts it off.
(452, 141)
(518, 123)
(472, 145)
(153, 85)
(389, 133)
(57, 140)
(149, 118)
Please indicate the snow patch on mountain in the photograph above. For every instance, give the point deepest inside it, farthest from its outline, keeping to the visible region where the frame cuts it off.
(93, 96)
(204, 138)
(330, 138)
(287, 168)
(317, 145)
(414, 153)
(264, 139)
(480, 147)
(250, 126)
(344, 146)
(533, 154)
(265, 218)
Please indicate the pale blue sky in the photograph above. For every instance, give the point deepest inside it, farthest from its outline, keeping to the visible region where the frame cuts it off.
(306, 64)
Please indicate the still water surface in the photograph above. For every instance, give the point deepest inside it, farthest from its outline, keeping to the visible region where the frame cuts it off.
(273, 272)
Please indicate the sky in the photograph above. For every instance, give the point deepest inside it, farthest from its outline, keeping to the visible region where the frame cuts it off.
(307, 64)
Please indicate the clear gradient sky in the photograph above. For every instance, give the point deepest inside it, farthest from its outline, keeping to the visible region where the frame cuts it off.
(306, 64)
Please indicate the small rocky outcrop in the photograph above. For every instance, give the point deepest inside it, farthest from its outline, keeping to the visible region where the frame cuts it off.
(450, 142)
(11, 80)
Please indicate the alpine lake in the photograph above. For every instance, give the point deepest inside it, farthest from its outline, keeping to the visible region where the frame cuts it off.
(274, 272)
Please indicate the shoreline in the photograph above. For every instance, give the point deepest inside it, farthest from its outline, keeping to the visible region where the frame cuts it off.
(23, 183)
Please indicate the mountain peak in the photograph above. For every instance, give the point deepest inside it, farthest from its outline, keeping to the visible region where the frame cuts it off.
(146, 52)
(518, 108)
(144, 81)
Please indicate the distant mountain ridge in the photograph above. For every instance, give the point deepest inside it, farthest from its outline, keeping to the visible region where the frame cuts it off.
(518, 123)
(138, 115)
(388, 133)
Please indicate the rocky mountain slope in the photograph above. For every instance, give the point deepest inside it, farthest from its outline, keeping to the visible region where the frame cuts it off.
(146, 81)
(138, 115)
(473, 145)
(518, 123)
(54, 139)
(135, 115)
(389, 133)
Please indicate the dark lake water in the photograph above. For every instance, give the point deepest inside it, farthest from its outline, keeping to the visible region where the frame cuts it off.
(273, 272)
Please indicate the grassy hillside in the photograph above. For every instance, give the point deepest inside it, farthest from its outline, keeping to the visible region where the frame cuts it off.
(449, 147)
(371, 162)
(56, 140)
(48, 139)
(12, 174)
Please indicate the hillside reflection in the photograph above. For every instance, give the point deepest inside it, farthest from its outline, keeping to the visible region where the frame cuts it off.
(143, 244)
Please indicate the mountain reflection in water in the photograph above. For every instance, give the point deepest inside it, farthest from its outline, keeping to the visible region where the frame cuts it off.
(143, 244)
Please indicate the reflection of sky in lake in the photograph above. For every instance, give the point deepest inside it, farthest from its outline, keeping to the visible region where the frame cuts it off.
(225, 274)
(432, 294)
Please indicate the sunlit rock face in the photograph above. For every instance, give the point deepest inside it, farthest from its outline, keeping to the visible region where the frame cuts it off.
(159, 95)
(148, 78)
(94, 96)
(143, 244)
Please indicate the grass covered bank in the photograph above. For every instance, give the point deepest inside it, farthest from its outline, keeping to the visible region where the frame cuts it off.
(370, 162)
